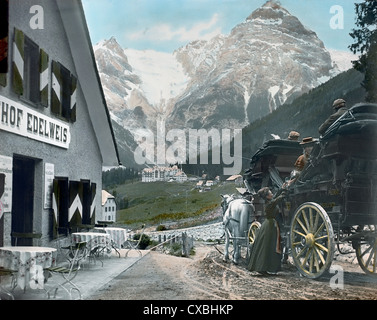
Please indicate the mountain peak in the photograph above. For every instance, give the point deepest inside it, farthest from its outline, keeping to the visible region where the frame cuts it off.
(275, 4)
(113, 44)
(272, 9)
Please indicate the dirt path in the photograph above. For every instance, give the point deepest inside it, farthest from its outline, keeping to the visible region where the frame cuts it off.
(206, 277)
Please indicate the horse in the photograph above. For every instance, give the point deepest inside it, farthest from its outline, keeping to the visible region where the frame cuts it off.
(236, 215)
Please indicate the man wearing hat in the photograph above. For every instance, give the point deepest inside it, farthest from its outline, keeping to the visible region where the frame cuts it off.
(307, 145)
(339, 107)
(293, 136)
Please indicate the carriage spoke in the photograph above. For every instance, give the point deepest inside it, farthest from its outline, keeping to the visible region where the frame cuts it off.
(311, 219)
(311, 262)
(299, 233)
(302, 251)
(319, 229)
(320, 255)
(315, 260)
(321, 237)
(306, 221)
(371, 255)
(366, 251)
(321, 247)
(302, 225)
(316, 221)
(306, 257)
(295, 244)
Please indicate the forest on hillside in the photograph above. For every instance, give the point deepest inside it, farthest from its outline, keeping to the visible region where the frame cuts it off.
(304, 115)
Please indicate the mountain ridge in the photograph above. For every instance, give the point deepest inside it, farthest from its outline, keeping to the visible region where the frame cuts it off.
(228, 81)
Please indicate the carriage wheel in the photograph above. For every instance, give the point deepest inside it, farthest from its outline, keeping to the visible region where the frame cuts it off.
(366, 250)
(251, 236)
(312, 240)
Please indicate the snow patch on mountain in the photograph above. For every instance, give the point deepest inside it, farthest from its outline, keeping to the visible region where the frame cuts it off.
(162, 77)
(343, 59)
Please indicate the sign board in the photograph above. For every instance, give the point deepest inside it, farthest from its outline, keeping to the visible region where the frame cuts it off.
(6, 167)
(49, 178)
(21, 120)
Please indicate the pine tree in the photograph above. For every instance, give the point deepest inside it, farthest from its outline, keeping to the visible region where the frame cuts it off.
(366, 44)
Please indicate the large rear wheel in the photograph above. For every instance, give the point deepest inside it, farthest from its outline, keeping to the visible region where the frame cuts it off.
(312, 240)
(366, 250)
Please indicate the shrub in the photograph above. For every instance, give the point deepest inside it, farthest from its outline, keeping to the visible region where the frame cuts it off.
(144, 242)
(161, 227)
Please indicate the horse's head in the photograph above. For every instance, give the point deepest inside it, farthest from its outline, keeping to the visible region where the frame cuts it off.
(226, 199)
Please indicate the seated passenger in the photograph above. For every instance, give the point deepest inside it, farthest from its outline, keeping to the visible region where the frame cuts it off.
(293, 136)
(339, 107)
(307, 144)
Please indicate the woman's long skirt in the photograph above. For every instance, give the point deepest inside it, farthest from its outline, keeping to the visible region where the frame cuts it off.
(266, 254)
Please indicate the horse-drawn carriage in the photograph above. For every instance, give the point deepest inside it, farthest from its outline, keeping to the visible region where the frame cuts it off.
(334, 199)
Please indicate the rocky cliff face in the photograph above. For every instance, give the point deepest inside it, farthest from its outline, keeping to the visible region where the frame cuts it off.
(121, 86)
(265, 61)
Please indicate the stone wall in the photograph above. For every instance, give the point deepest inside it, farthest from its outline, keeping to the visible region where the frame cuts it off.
(205, 232)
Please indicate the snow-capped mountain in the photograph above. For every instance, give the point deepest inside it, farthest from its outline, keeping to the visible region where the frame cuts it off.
(226, 82)
(264, 61)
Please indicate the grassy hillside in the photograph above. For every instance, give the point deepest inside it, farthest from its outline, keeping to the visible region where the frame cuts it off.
(162, 202)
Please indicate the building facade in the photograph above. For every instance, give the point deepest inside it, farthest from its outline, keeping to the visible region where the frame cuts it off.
(109, 207)
(55, 129)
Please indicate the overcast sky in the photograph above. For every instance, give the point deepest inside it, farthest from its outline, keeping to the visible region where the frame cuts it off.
(166, 25)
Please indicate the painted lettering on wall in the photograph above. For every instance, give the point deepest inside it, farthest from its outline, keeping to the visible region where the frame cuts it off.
(19, 119)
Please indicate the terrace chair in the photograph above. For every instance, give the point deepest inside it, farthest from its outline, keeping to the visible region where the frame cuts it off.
(96, 249)
(25, 235)
(131, 244)
(8, 273)
(111, 245)
(77, 253)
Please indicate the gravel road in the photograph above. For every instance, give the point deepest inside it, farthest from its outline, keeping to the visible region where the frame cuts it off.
(205, 276)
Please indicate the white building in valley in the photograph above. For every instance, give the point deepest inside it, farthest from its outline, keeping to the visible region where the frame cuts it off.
(163, 174)
(109, 207)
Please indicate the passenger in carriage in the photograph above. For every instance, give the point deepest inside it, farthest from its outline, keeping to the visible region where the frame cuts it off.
(293, 136)
(339, 107)
(302, 160)
(266, 252)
